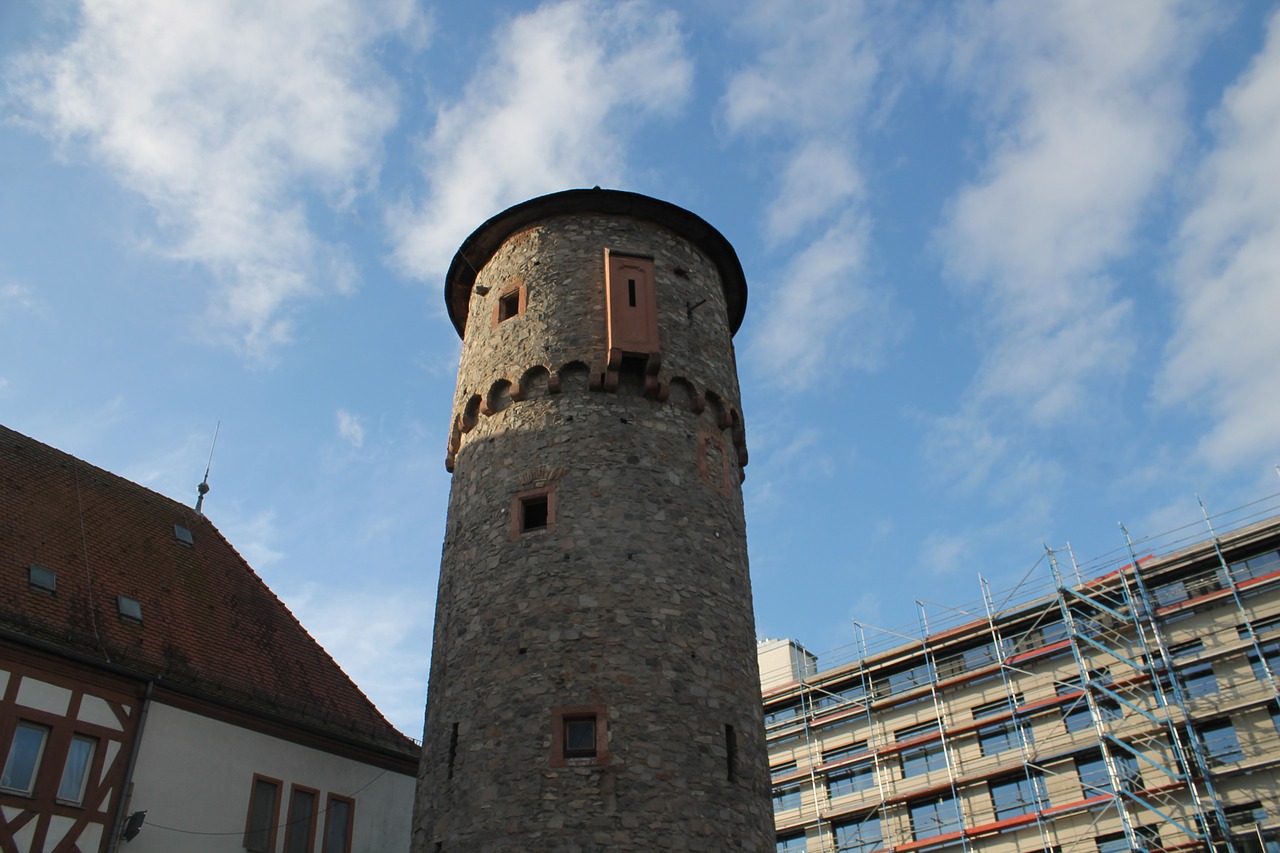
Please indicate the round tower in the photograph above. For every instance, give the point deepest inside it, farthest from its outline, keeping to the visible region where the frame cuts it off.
(593, 678)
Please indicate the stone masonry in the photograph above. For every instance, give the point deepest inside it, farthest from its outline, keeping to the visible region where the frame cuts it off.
(628, 608)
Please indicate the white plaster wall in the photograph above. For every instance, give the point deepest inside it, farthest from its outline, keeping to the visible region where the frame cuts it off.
(195, 774)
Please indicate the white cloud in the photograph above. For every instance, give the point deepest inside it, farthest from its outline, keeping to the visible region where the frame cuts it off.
(815, 70)
(224, 115)
(379, 638)
(1083, 108)
(822, 316)
(811, 86)
(945, 553)
(15, 299)
(350, 428)
(552, 108)
(254, 537)
(1224, 358)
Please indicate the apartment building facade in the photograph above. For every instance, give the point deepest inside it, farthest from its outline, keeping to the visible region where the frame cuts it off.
(1114, 710)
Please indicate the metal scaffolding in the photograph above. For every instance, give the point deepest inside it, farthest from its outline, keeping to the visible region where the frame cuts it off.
(1083, 712)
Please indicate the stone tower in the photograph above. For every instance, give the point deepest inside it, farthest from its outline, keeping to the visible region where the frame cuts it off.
(594, 684)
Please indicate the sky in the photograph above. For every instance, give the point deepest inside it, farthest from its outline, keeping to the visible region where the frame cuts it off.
(1014, 272)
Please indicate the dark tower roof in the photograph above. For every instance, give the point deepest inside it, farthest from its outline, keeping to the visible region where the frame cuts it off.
(477, 249)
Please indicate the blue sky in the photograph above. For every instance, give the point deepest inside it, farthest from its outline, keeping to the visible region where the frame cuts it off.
(1014, 270)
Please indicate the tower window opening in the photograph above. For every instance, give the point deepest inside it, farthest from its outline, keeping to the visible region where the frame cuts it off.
(453, 750)
(508, 306)
(511, 302)
(580, 737)
(730, 751)
(631, 292)
(533, 512)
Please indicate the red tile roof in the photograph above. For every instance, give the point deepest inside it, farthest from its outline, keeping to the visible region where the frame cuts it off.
(209, 623)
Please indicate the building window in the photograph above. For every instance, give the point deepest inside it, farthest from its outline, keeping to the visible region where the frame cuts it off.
(1095, 780)
(791, 844)
(1076, 716)
(1115, 842)
(129, 608)
(844, 696)
(337, 824)
(579, 736)
(924, 758)
(1256, 567)
(786, 797)
(840, 753)
(847, 780)
(300, 832)
(264, 811)
(75, 773)
(511, 302)
(1018, 795)
(1221, 746)
(1271, 654)
(780, 770)
(533, 512)
(41, 578)
(934, 816)
(183, 535)
(20, 767)
(1245, 814)
(1198, 680)
(1001, 737)
(859, 836)
(781, 715)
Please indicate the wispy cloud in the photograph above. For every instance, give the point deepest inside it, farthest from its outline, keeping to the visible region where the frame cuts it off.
(227, 118)
(552, 107)
(378, 637)
(350, 428)
(1224, 358)
(810, 86)
(16, 298)
(1083, 108)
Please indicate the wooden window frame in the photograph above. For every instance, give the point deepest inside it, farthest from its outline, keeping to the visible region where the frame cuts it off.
(351, 821)
(291, 828)
(86, 772)
(46, 734)
(273, 824)
(565, 714)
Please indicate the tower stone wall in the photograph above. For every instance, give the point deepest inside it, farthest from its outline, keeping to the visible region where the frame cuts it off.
(594, 575)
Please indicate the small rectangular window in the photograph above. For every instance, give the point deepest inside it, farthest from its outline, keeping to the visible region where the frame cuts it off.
(579, 736)
(264, 809)
(511, 302)
(23, 762)
(337, 825)
(183, 535)
(75, 773)
(41, 578)
(508, 306)
(300, 831)
(533, 511)
(129, 608)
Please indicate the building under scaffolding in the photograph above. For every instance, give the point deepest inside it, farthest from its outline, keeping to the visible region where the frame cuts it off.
(1130, 705)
